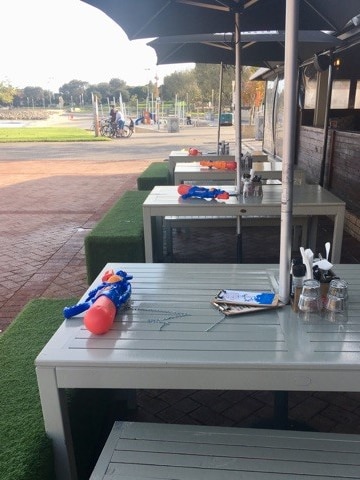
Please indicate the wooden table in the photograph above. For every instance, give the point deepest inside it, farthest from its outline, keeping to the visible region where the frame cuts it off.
(194, 172)
(309, 201)
(172, 338)
(183, 156)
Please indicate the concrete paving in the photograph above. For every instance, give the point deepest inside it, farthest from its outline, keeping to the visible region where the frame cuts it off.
(52, 194)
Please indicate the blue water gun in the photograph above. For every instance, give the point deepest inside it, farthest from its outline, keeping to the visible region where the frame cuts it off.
(115, 286)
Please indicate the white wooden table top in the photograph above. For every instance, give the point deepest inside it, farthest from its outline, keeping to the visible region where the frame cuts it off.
(308, 201)
(173, 338)
(181, 167)
(185, 171)
(179, 153)
(304, 195)
(195, 171)
(194, 166)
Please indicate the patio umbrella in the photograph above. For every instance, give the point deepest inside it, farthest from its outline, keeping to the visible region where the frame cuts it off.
(155, 18)
(259, 49)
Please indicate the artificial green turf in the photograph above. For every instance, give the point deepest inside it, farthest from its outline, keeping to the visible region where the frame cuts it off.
(119, 236)
(157, 173)
(25, 450)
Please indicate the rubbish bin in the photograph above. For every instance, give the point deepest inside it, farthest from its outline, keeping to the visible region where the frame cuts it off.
(173, 124)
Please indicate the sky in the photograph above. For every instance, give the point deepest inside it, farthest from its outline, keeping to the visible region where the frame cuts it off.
(46, 43)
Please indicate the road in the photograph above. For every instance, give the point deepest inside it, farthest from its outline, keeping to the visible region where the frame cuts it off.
(147, 143)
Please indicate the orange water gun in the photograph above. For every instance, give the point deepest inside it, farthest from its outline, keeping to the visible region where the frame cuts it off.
(219, 164)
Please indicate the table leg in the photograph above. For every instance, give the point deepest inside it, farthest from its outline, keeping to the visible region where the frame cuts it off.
(148, 235)
(57, 424)
(281, 408)
(158, 242)
(313, 226)
(239, 253)
(337, 236)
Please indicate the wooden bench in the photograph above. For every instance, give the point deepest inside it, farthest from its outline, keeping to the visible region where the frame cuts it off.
(157, 173)
(194, 452)
(119, 236)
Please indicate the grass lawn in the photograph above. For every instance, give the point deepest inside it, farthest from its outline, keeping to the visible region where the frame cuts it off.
(48, 134)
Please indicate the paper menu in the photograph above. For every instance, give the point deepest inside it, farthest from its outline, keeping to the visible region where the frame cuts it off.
(247, 297)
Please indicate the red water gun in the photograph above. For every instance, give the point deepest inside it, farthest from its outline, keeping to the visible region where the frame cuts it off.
(219, 164)
(188, 191)
(194, 151)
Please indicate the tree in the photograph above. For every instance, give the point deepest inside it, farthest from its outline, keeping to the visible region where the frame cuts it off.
(34, 96)
(7, 94)
(208, 80)
(118, 87)
(252, 92)
(73, 92)
(139, 93)
(102, 91)
(182, 85)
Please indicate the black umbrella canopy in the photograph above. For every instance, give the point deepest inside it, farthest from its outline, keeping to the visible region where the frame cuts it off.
(262, 49)
(203, 48)
(155, 18)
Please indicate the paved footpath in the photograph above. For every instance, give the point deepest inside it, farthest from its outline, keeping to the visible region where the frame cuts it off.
(52, 194)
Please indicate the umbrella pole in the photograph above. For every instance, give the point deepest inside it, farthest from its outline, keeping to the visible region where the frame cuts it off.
(290, 104)
(237, 113)
(322, 181)
(220, 105)
(237, 121)
(239, 255)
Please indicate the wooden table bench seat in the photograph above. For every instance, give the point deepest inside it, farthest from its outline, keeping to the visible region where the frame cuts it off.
(194, 452)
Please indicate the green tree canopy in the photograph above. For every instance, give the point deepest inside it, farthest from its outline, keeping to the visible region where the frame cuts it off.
(197, 88)
(72, 91)
(7, 94)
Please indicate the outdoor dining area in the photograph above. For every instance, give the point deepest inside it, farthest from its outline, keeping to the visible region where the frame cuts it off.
(171, 337)
(148, 322)
(168, 332)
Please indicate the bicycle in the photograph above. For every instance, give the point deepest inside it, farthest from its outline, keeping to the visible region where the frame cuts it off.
(128, 131)
(105, 127)
(110, 129)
